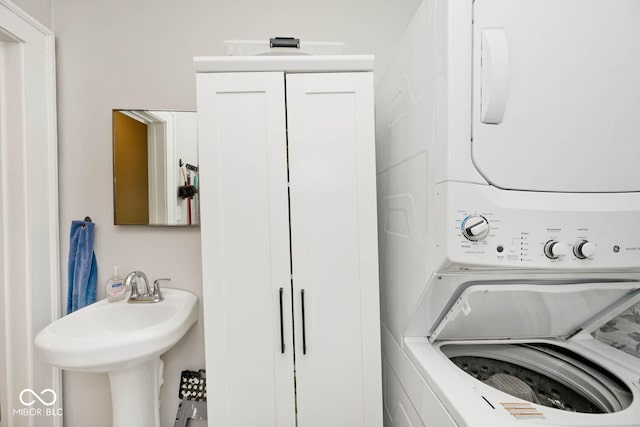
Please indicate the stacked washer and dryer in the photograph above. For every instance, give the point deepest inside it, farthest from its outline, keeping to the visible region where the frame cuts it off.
(509, 209)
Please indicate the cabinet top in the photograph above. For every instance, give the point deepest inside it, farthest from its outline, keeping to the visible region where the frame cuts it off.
(285, 63)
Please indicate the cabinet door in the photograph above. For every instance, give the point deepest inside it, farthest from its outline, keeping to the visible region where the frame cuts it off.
(334, 249)
(245, 249)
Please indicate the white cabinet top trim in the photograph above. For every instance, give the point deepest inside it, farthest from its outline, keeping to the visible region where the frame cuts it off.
(285, 63)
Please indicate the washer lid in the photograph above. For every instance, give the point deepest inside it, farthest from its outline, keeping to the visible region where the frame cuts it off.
(512, 311)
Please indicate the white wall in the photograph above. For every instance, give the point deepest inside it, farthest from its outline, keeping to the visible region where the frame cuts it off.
(124, 54)
(38, 9)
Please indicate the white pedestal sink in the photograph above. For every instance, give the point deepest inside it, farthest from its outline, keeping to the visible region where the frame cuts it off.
(126, 341)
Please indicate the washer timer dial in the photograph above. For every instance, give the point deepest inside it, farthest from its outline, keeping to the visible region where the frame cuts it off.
(475, 227)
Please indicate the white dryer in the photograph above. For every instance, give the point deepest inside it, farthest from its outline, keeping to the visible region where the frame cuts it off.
(508, 206)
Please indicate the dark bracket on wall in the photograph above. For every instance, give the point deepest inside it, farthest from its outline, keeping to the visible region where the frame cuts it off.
(86, 219)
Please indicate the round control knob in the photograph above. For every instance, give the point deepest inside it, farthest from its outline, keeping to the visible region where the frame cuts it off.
(475, 227)
(584, 249)
(554, 249)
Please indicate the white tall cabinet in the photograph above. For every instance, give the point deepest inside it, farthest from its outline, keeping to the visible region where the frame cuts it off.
(289, 241)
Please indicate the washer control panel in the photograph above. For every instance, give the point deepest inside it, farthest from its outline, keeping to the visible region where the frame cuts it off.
(520, 235)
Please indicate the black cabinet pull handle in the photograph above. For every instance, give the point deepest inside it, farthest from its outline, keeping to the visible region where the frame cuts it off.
(281, 324)
(304, 329)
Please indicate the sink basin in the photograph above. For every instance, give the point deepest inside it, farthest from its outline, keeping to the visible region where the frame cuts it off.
(106, 336)
(126, 341)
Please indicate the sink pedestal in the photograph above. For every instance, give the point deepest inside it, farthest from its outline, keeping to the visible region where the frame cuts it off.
(125, 341)
(135, 394)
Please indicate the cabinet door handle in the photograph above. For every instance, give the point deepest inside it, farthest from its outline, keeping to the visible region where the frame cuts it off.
(304, 330)
(281, 324)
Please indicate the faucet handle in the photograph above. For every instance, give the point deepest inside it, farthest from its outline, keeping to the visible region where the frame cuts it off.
(156, 288)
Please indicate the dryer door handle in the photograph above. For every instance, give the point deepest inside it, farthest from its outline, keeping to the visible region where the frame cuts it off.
(494, 87)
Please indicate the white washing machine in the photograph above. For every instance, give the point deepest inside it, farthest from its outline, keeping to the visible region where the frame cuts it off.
(508, 206)
(514, 348)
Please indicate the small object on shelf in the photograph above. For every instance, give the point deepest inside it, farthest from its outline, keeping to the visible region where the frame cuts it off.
(284, 42)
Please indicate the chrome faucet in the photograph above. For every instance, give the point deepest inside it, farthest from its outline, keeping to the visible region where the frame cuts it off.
(136, 280)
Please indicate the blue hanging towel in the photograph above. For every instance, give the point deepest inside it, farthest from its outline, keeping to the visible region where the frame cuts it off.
(83, 269)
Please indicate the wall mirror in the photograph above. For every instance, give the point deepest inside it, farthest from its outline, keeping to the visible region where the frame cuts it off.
(155, 168)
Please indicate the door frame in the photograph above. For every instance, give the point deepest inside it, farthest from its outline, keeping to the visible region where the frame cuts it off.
(29, 226)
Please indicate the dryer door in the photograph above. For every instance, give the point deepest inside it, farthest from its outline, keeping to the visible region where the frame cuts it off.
(530, 310)
(556, 102)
